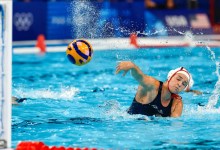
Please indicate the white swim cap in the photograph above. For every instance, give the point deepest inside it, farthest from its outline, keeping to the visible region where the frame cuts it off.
(184, 72)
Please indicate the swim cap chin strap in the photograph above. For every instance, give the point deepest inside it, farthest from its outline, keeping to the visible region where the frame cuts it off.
(183, 71)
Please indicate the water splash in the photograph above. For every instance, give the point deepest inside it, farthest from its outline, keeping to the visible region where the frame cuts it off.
(85, 26)
(84, 16)
(189, 38)
(212, 53)
(64, 93)
(213, 99)
(199, 111)
(113, 110)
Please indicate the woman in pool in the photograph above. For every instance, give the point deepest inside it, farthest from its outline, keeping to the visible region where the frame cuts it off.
(154, 97)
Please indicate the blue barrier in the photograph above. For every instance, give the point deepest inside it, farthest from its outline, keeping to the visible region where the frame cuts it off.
(59, 23)
(29, 20)
(176, 22)
(77, 19)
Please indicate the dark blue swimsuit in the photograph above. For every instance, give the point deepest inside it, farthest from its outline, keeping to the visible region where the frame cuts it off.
(153, 108)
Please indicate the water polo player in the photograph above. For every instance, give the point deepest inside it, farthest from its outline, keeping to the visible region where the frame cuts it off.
(154, 97)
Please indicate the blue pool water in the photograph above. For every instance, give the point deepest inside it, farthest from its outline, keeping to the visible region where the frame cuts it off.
(86, 106)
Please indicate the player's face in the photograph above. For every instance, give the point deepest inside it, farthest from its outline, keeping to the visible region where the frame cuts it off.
(178, 83)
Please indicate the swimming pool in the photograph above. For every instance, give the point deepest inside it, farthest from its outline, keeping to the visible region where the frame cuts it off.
(86, 106)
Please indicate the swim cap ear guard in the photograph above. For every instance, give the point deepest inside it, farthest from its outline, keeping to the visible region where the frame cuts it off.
(184, 72)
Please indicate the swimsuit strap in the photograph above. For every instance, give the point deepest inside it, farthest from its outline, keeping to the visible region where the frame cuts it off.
(160, 89)
(157, 99)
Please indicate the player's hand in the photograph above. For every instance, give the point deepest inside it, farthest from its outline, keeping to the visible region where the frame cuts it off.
(124, 66)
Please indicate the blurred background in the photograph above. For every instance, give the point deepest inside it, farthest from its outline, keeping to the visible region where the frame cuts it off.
(63, 19)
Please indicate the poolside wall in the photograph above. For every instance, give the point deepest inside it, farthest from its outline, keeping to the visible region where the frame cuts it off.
(58, 20)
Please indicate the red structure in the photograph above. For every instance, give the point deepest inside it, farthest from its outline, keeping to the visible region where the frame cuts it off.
(28, 145)
(41, 43)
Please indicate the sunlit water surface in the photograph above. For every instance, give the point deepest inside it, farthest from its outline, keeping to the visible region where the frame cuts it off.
(86, 106)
